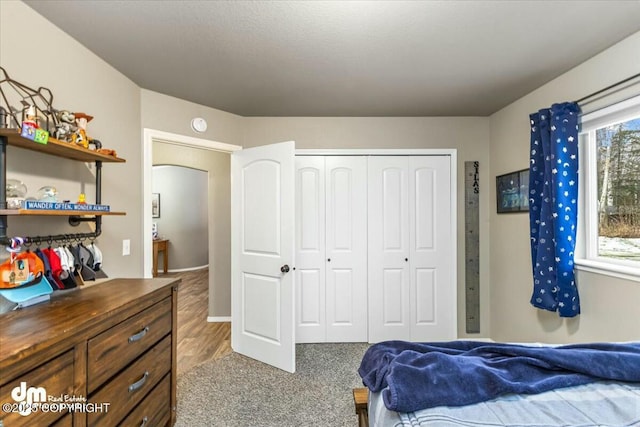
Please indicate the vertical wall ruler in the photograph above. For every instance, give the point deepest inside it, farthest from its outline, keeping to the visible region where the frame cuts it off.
(472, 245)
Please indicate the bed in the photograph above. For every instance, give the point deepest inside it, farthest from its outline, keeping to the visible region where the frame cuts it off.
(468, 383)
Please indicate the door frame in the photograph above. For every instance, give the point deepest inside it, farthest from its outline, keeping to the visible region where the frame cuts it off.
(149, 137)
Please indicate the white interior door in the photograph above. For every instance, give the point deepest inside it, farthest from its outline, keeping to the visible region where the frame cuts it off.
(412, 293)
(311, 326)
(262, 246)
(432, 291)
(388, 234)
(346, 248)
(331, 249)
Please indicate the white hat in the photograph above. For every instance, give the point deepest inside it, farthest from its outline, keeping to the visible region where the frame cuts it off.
(70, 259)
(64, 262)
(97, 256)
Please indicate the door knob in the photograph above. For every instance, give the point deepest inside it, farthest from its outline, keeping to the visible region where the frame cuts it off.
(284, 268)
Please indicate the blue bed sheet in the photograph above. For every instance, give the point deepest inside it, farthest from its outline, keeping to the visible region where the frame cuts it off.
(414, 376)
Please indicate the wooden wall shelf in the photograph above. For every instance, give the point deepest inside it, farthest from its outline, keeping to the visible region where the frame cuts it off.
(58, 148)
(62, 149)
(20, 212)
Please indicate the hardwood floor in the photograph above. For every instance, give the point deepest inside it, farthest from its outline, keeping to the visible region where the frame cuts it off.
(198, 340)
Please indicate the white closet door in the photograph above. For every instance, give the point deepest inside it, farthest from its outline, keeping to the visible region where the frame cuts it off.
(346, 248)
(310, 249)
(388, 237)
(432, 292)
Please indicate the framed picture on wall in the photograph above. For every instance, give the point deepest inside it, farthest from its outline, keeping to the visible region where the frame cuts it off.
(512, 192)
(155, 205)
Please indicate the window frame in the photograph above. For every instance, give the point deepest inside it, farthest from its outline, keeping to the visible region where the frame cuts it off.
(586, 256)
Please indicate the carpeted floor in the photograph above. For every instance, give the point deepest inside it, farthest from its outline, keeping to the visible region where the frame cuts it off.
(241, 392)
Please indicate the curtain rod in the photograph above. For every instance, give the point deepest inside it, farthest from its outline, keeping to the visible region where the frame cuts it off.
(621, 82)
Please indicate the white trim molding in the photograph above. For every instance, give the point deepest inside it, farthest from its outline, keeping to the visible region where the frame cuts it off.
(219, 319)
(149, 137)
(181, 270)
(376, 152)
(587, 243)
(608, 268)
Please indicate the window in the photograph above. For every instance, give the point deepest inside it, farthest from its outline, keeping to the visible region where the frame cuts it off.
(609, 238)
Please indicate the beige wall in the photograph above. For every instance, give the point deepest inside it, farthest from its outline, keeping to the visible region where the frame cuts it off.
(219, 240)
(469, 135)
(170, 114)
(609, 306)
(35, 52)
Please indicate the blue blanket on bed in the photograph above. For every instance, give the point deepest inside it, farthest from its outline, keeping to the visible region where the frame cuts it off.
(414, 376)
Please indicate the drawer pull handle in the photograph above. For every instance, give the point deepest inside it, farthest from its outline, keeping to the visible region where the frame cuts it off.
(139, 335)
(144, 421)
(135, 386)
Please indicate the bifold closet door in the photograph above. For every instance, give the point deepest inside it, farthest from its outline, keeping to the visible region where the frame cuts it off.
(346, 248)
(331, 252)
(411, 291)
(388, 237)
(310, 249)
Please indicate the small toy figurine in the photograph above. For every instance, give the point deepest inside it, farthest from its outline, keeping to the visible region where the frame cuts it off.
(82, 199)
(80, 135)
(30, 117)
(30, 128)
(66, 125)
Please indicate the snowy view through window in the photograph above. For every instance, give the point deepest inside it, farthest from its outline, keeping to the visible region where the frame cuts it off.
(618, 148)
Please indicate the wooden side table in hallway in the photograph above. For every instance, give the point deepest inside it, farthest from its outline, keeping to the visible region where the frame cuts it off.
(160, 245)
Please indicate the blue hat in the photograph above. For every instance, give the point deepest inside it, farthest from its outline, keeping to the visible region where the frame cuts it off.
(34, 287)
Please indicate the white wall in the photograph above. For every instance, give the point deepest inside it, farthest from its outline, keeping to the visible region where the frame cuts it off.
(469, 135)
(609, 306)
(184, 214)
(35, 52)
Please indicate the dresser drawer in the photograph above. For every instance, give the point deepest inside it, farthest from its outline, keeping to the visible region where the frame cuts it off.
(53, 378)
(128, 388)
(154, 410)
(113, 349)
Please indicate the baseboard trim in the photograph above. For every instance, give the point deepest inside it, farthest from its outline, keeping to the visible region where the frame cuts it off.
(218, 319)
(180, 270)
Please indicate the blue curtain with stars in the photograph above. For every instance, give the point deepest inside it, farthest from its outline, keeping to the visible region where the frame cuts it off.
(553, 207)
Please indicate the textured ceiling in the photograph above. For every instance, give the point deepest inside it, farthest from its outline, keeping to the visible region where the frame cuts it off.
(345, 58)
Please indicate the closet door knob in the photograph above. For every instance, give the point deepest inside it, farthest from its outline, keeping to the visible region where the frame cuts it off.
(328, 259)
(406, 259)
(284, 268)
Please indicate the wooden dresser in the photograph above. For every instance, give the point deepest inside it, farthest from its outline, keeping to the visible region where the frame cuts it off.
(104, 355)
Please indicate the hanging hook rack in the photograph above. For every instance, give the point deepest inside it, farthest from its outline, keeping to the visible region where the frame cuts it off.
(49, 239)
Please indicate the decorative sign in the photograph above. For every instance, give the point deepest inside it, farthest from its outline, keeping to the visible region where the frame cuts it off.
(472, 245)
(55, 206)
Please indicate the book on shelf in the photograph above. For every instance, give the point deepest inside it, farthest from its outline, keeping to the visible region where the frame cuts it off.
(61, 206)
